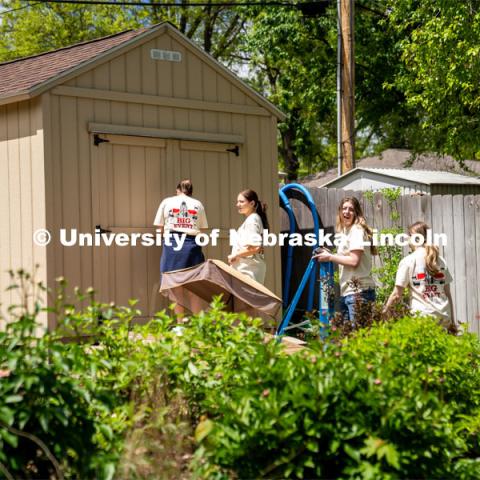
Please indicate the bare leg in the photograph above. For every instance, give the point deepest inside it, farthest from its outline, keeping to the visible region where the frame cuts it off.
(180, 313)
(197, 305)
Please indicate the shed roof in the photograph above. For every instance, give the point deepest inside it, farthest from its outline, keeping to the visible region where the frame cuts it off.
(21, 75)
(27, 77)
(425, 177)
(400, 158)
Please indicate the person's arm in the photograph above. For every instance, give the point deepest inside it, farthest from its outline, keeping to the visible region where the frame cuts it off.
(159, 222)
(394, 298)
(248, 251)
(402, 281)
(352, 259)
(353, 253)
(252, 233)
(448, 293)
(202, 220)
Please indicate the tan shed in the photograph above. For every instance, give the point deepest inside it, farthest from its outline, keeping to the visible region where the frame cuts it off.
(98, 133)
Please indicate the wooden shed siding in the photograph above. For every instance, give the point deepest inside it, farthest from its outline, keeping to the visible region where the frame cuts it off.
(38, 194)
(376, 181)
(73, 202)
(5, 215)
(224, 96)
(15, 193)
(71, 146)
(22, 209)
(185, 79)
(84, 109)
(54, 172)
(273, 256)
(118, 81)
(443, 189)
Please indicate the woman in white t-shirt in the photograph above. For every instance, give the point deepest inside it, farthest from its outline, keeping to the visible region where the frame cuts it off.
(354, 257)
(247, 252)
(180, 218)
(426, 274)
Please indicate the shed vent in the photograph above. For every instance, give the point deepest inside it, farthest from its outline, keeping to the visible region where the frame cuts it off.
(167, 55)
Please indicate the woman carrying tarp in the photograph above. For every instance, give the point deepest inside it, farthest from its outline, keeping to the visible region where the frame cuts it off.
(354, 257)
(181, 218)
(247, 253)
(426, 274)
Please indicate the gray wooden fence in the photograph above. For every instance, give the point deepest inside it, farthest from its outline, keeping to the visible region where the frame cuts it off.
(457, 216)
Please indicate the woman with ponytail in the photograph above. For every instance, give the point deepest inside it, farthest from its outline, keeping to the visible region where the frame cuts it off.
(247, 252)
(427, 276)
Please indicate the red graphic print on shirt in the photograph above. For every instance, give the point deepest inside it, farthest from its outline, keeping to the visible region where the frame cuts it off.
(183, 217)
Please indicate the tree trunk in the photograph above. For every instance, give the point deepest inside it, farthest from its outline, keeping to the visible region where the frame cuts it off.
(289, 155)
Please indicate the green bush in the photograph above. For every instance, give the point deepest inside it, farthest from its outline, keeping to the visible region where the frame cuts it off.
(41, 402)
(57, 404)
(400, 400)
(217, 400)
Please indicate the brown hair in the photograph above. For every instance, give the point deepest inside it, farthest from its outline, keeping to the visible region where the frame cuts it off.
(260, 207)
(359, 219)
(431, 251)
(186, 187)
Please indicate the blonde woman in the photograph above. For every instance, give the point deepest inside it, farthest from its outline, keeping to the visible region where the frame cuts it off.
(426, 274)
(354, 257)
(247, 252)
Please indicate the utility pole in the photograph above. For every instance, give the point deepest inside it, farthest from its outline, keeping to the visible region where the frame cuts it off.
(346, 86)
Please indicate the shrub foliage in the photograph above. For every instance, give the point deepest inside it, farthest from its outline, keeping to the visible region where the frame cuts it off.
(216, 399)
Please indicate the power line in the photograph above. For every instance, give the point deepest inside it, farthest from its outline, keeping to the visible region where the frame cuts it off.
(18, 8)
(307, 5)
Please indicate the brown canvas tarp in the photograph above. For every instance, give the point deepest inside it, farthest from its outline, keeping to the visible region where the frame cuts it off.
(195, 287)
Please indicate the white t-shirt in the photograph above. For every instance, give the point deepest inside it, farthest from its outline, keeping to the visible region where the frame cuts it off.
(359, 278)
(181, 213)
(250, 233)
(428, 291)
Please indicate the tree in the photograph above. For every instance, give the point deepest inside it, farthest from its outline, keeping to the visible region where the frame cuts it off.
(41, 27)
(281, 48)
(383, 118)
(294, 61)
(293, 64)
(417, 65)
(440, 45)
(46, 26)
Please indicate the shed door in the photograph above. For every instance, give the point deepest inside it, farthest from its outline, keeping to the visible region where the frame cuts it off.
(126, 187)
(217, 178)
(130, 176)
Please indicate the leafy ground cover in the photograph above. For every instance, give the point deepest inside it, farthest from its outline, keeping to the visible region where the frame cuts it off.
(215, 399)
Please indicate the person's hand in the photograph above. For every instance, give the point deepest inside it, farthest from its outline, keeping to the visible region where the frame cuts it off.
(323, 256)
(453, 329)
(232, 259)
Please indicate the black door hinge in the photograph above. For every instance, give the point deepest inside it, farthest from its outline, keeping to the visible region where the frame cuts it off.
(235, 150)
(97, 140)
(99, 229)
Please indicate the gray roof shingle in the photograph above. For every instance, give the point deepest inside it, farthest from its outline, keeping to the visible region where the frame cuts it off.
(21, 75)
(400, 159)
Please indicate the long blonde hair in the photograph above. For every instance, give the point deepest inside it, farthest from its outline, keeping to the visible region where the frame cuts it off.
(359, 219)
(431, 251)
